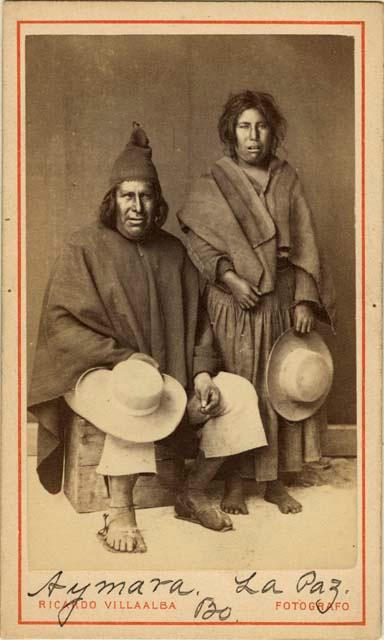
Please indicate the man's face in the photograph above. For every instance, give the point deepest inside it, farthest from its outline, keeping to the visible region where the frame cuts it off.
(136, 208)
(253, 138)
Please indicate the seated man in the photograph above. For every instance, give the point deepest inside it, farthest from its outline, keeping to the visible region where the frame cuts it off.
(123, 288)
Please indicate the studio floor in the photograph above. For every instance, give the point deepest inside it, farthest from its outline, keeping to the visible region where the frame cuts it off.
(323, 535)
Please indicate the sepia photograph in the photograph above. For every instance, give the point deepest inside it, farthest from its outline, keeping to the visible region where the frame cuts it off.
(185, 194)
(194, 278)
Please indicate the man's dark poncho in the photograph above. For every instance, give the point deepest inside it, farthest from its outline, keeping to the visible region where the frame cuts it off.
(107, 298)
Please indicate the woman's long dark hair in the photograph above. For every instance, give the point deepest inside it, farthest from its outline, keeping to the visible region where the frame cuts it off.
(107, 209)
(239, 102)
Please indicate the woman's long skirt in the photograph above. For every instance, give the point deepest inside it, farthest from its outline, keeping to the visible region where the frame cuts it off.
(244, 340)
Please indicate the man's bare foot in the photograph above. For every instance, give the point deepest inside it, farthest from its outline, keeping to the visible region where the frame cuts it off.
(277, 493)
(233, 500)
(195, 506)
(121, 533)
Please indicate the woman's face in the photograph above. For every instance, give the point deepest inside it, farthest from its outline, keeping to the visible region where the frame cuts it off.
(253, 138)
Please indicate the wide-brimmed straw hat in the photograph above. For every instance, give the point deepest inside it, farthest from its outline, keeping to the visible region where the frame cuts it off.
(299, 374)
(133, 401)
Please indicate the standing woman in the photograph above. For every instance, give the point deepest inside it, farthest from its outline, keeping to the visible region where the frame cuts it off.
(249, 231)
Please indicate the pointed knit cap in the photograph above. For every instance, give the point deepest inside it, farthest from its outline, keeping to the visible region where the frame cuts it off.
(135, 163)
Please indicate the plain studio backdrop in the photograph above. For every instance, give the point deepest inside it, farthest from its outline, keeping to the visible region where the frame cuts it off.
(83, 92)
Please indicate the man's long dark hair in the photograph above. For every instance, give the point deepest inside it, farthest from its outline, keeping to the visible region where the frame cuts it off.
(107, 209)
(239, 102)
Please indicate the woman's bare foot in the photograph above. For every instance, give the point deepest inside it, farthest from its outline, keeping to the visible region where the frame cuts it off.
(277, 493)
(233, 500)
(121, 533)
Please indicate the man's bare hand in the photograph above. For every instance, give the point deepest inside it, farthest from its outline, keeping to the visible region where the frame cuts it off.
(245, 294)
(207, 394)
(145, 358)
(304, 318)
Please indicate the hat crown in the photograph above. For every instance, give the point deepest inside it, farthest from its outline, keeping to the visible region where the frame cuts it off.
(137, 386)
(304, 375)
(135, 161)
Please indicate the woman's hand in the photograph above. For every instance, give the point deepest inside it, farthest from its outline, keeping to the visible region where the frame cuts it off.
(303, 318)
(207, 394)
(245, 294)
(145, 358)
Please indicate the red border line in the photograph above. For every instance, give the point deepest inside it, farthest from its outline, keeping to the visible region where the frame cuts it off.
(195, 624)
(318, 22)
(19, 336)
(361, 23)
(363, 320)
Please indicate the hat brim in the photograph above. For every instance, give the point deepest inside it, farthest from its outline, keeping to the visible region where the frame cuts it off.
(290, 341)
(92, 401)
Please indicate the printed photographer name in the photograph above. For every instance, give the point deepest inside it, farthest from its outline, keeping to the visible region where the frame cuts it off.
(152, 605)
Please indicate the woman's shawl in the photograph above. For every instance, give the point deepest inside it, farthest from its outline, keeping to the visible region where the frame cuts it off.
(224, 209)
(108, 298)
